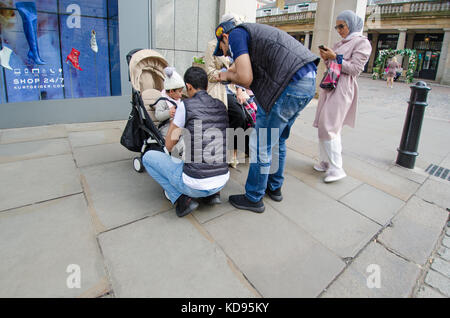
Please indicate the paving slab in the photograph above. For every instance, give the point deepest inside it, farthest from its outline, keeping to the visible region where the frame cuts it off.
(98, 154)
(375, 174)
(445, 181)
(444, 252)
(379, 178)
(446, 241)
(416, 229)
(445, 163)
(240, 174)
(117, 194)
(376, 124)
(205, 213)
(373, 203)
(303, 124)
(397, 276)
(380, 148)
(441, 266)
(417, 174)
(39, 242)
(304, 146)
(435, 192)
(432, 141)
(427, 292)
(33, 150)
(279, 258)
(167, 256)
(369, 150)
(38, 180)
(120, 124)
(425, 159)
(301, 167)
(96, 137)
(33, 133)
(336, 226)
(438, 282)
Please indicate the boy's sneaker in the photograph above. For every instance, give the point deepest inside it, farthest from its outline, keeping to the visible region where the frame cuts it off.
(185, 205)
(275, 194)
(212, 199)
(240, 201)
(166, 195)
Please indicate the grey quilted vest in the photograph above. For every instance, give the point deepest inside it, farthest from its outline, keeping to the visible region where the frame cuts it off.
(205, 150)
(276, 57)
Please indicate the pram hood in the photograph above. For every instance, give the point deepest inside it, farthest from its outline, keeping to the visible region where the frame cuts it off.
(147, 70)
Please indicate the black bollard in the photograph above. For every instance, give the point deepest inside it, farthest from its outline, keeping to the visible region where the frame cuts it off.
(407, 152)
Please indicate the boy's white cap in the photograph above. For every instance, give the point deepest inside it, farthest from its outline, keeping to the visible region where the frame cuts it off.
(173, 79)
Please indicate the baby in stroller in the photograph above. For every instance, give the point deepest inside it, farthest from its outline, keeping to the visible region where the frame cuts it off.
(148, 78)
(166, 107)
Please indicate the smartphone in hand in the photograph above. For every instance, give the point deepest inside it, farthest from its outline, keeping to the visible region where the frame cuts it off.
(322, 47)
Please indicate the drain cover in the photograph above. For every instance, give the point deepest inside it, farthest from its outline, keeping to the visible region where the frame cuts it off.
(437, 171)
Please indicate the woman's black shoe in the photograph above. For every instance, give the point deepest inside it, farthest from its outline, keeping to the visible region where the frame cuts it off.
(240, 201)
(275, 194)
(185, 205)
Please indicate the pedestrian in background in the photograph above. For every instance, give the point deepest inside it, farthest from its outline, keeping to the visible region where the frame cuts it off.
(392, 68)
(337, 107)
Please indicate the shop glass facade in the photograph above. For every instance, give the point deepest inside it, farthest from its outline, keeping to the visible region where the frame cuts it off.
(428, 48)
(62, 25)
(387, 41)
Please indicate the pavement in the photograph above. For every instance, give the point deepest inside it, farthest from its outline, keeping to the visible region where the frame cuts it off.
(77, 221)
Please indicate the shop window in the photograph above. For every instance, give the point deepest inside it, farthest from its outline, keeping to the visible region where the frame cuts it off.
(387, 41)
(428, 49)
(85, 30)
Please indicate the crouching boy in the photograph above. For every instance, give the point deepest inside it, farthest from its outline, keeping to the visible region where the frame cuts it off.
(205, 170)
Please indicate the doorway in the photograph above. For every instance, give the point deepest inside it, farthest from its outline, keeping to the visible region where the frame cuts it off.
(428, 47)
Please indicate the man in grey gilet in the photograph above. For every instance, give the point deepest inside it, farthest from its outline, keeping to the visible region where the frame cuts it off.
(281, 72)
(205, 170)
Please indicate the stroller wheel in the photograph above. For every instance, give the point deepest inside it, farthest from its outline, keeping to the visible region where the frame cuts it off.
(137, 164)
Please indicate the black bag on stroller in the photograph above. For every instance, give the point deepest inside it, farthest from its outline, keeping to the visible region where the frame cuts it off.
(132, 137)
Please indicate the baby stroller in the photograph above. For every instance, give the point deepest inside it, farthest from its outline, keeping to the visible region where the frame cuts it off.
(146, 74)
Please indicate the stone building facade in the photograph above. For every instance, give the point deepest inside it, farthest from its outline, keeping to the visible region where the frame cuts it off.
(420, 25)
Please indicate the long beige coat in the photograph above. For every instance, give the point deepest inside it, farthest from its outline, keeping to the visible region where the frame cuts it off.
(214, 64)
(337, 107)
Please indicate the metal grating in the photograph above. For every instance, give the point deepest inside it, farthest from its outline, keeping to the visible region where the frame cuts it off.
(437, 171)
